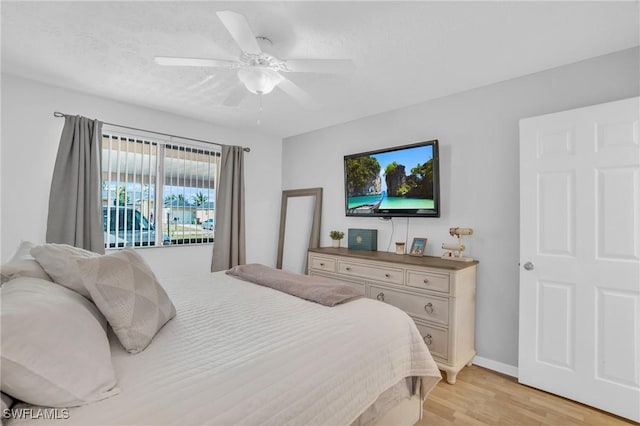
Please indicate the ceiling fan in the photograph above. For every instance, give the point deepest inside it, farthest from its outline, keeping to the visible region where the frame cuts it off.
(259, 71)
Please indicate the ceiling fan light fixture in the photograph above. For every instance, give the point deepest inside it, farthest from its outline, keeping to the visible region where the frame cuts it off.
(259, 80)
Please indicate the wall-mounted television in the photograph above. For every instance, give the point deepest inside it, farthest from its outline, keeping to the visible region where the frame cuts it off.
(400, 181)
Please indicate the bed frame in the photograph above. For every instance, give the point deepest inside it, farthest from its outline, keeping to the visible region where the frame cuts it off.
(408, 412)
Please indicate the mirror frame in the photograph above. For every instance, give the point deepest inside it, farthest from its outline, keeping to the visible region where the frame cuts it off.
(314, 239)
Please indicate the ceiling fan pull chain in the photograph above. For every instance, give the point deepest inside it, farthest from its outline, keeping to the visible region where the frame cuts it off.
(259, 108)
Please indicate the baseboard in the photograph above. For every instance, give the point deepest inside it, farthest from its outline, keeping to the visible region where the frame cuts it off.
(500, 367)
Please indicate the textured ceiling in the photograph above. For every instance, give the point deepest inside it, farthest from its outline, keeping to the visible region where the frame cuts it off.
(404, 52)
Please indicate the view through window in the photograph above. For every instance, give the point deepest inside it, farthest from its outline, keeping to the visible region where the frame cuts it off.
(157, 193)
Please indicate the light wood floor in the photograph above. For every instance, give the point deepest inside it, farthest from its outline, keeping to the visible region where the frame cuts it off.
(484, 397)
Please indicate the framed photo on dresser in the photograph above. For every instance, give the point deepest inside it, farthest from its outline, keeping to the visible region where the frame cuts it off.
(418, 247)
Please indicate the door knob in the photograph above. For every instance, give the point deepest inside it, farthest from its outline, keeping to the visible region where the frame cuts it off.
(529, 266)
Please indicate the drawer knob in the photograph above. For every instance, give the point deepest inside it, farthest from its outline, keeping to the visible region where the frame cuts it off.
(387, 275)
(429, 308)
(426, 281)
(380, 296)
(348, 268)
(321, 264)
(427, 339)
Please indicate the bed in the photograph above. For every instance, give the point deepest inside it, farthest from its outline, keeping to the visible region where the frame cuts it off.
(238, 353)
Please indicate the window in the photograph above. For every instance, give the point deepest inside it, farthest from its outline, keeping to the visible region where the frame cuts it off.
(156, 192)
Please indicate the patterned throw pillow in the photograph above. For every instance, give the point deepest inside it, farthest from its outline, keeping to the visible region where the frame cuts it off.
(129, 295)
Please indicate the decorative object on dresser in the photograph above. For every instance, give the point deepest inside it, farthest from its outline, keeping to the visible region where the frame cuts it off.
(363, 239)
(400, 247)
(456, 249)
(418, 247)
(438, 294)
(336, 236)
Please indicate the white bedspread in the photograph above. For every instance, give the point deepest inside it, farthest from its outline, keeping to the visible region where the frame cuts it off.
(237, 353)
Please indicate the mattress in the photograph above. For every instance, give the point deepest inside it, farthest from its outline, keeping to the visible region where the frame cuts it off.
(238, 353)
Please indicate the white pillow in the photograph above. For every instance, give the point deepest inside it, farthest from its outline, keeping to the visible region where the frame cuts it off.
(129, 295)
(22, 264)
(59, 261)
(55, 350)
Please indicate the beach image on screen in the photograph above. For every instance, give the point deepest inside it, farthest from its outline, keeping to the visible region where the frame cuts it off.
(393, 180)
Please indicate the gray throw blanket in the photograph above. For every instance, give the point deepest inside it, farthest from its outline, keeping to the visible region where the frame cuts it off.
(325, 291)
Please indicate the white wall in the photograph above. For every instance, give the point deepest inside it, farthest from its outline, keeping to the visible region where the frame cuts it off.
(30, 136)
(478, 134)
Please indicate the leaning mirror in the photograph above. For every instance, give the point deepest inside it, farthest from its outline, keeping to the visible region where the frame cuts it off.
(300, 214)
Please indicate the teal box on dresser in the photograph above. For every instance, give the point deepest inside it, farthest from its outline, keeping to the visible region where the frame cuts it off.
(363, 239)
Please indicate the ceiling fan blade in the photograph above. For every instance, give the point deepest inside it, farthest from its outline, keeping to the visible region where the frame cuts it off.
(324, 66)
(299, 95)
(195, 62)
(236, 96)
(201, 82)
(240, 30)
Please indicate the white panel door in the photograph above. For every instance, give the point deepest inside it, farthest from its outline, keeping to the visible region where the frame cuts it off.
(579, 325)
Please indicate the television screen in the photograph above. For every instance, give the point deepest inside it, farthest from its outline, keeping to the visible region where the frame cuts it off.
(400, 181)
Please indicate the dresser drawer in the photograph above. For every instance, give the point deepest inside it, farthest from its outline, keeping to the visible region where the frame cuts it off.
(428, 281)
(437, 339)
(322, 263)
(358, 286)
(355, 283)
(421, 306)
(390, 275)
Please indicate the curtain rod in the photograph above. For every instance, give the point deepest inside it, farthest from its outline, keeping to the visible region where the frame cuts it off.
(60, 114)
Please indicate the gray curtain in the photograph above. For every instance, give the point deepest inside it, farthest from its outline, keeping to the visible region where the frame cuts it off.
(75, 212)
(229, 244)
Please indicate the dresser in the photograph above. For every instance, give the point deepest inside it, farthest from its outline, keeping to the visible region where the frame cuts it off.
(438, 294)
